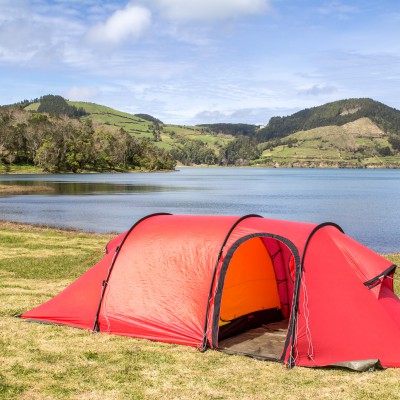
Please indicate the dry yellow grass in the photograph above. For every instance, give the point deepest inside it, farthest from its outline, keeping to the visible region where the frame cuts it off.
(53, 362)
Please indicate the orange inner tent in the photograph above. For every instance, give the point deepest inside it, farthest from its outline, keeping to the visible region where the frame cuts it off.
(250, 283)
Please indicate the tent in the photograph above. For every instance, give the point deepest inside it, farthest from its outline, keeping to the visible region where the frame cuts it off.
(299, 293)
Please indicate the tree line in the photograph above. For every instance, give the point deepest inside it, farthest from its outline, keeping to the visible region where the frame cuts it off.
(63, 144)
(231, 129)
(239, 152)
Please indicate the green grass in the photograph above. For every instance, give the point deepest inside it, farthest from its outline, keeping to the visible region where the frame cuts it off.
(141, 128)
(20, 169)
(350, 145)
(54, 362)
(105, 115)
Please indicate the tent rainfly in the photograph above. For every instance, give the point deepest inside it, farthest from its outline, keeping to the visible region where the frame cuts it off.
(298, 293)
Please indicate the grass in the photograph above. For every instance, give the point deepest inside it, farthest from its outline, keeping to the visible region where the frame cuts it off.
(53, 362)
(332, 146)
(20, 169)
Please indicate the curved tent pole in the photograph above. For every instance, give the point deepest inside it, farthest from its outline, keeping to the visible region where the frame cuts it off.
(236, 223)
(291, 334)
(96, 327)
(370, 284)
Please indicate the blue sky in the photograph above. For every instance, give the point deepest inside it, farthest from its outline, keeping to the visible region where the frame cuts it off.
(197, 61)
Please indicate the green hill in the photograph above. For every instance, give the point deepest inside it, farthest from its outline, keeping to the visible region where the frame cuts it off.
(53, 142)
(337, 113)
(347, 133)
(132, 124)
(357, 144)
(203, 144)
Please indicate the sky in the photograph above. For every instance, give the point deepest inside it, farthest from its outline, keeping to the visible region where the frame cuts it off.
(201, 61)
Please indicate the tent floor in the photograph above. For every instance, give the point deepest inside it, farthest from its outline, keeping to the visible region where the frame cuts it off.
(265, 342)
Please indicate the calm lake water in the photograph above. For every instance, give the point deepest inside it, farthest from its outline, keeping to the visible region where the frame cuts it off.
(365, 203)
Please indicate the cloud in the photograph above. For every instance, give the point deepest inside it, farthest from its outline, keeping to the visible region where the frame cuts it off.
(211, 116)
(336, 8)
(210, 10)
(80, 93)
(256, 115)
(123, 25)
(30, 36)
(317, 90)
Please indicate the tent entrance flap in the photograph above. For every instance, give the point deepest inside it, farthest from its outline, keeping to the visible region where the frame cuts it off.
(252, 319)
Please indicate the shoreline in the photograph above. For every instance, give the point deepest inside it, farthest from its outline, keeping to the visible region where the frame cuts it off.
(293, 166)
(26, 226)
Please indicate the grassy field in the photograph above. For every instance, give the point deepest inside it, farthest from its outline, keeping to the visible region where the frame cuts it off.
(333, 146)
(53, 362)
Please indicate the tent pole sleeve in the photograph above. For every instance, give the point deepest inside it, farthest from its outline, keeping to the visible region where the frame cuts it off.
(291, 335)
(376, 280)
(96, 327)
(204, 344)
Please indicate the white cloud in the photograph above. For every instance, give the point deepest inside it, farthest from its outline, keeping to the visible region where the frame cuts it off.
(29, 36)
(317, 90)
(210, 10)
(79, 93)
(256, 115)
(123, 25)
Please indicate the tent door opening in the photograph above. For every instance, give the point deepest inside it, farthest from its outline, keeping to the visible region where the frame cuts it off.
(255, 305)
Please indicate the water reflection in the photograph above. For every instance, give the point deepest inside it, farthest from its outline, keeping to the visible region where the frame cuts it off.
(86, 188)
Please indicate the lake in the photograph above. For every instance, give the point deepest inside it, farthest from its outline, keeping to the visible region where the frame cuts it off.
(365, 203)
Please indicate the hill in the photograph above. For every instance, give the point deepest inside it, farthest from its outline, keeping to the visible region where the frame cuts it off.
(357, 144)
(188, 144)
(58, 143)
(347, 133)
(108, 116)
(336, 113)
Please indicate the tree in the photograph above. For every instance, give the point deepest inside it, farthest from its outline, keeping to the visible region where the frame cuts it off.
(56, 105)
(240, 152)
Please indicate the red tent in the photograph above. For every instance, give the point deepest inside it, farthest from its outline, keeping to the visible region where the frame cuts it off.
(300, 293)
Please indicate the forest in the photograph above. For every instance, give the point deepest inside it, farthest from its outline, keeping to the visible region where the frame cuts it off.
(57, 143)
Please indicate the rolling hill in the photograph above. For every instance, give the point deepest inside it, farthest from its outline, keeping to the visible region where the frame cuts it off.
(352, 133)
(357, 144)
(336, 113)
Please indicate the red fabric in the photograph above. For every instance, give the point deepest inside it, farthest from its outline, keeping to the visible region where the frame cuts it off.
(161, 279)
(160, 284)
(339, 318)
(77, 304)
(115, 242)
